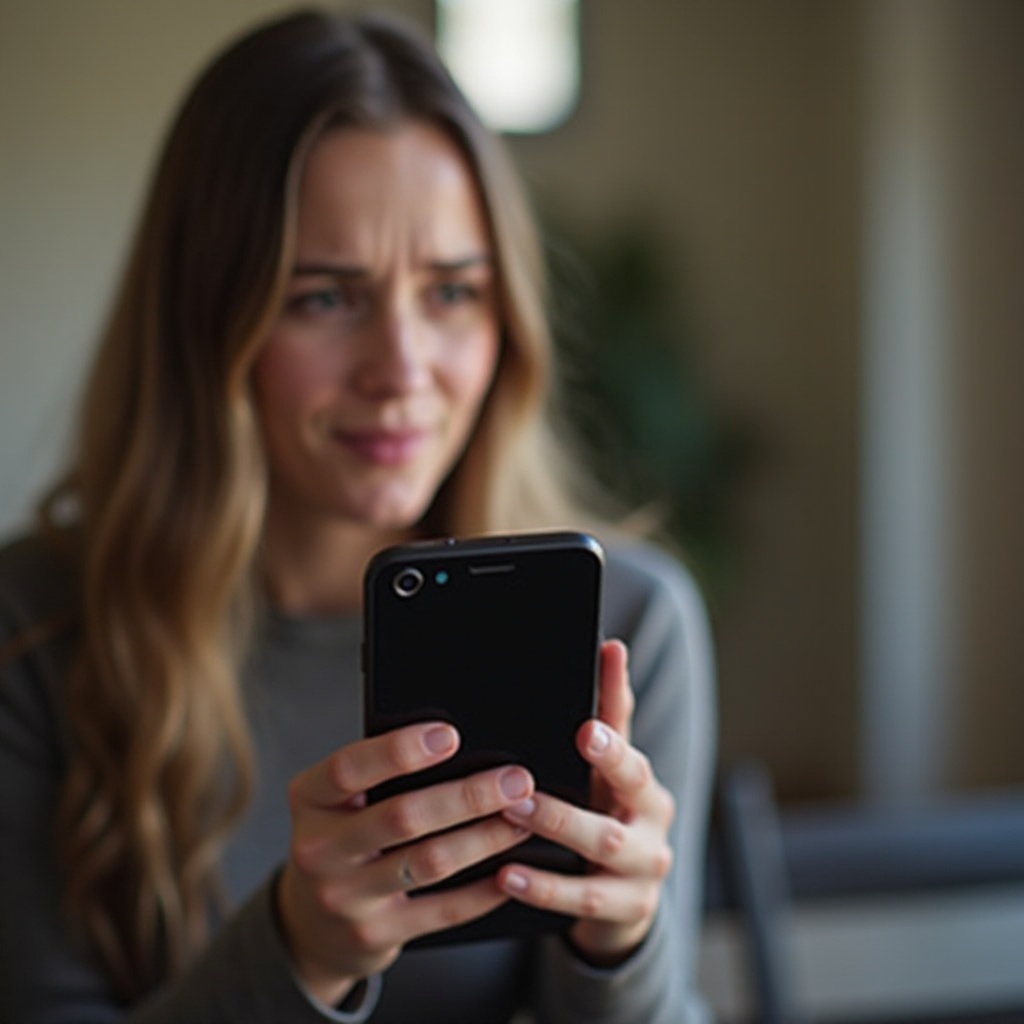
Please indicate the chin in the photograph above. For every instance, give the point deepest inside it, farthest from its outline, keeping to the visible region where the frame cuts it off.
(391, 514)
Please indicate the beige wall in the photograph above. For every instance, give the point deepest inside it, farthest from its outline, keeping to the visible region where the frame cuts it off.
(943, 493)
(736, 126)
(987, 115)
(86, 90)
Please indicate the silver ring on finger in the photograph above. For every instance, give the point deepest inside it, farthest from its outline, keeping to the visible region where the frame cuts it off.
(405, 875)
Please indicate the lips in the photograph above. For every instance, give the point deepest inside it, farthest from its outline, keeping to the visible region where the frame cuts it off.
(383, 447)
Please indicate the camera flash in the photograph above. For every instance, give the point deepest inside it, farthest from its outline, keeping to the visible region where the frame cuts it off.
(441, 577)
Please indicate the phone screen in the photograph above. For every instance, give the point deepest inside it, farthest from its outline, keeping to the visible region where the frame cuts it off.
(500, 637)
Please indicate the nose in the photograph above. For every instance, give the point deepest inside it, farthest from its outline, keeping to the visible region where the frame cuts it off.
(395, 358)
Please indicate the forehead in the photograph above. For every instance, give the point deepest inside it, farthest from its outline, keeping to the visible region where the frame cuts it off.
(366, 191)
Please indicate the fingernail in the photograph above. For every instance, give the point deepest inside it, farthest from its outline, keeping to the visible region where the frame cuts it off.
(524, 809)
(516, 881)
(599, 739)
(515, 783)
(439, 739)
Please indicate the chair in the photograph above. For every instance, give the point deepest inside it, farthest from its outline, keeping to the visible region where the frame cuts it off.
(767, 862)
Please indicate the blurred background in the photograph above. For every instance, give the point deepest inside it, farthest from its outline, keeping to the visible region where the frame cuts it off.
(787, 241)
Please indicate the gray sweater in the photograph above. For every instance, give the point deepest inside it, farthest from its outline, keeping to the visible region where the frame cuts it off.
(303, 693)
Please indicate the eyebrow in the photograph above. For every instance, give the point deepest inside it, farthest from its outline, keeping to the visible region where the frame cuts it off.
(341, 270)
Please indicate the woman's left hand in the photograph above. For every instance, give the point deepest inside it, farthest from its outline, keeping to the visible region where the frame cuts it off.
(624, 835)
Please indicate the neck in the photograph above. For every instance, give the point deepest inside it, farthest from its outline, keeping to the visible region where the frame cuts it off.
(316, 567)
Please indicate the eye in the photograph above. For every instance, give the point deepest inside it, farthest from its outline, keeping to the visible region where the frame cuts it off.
(446, 294)
(319, 301)
(328, 300)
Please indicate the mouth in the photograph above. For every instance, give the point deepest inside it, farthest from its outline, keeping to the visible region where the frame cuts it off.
(382, 447)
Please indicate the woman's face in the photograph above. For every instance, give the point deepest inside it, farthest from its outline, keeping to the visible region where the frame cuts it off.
(370, 382)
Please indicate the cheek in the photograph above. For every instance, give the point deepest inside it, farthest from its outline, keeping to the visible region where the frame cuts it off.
(471, 375)
(286, 381)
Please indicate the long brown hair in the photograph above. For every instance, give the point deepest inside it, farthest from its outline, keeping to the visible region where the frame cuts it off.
(169, 476)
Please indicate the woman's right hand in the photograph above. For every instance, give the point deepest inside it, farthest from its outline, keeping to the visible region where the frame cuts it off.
(343, 896)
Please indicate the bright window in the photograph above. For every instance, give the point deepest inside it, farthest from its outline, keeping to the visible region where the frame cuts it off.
(517, 60)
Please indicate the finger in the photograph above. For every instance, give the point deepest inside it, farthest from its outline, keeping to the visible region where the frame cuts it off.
(596, 897)
(359, 766)
(440, 857)
(330, 842)
(432, 913)
(413, 815)
(435, 912)
(602, 840)
(615, 697)
(625, 771)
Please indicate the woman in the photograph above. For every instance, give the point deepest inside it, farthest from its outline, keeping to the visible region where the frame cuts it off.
(329, 338)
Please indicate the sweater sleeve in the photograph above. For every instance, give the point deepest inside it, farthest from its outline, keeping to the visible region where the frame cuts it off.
(244, 975)
(655, 607)
(46, 975)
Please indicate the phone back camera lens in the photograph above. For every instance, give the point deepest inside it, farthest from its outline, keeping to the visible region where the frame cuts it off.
(407, 582)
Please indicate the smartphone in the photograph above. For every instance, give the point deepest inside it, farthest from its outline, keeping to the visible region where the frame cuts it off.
(500, 637)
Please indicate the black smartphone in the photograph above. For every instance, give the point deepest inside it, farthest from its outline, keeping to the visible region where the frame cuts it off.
(500, 637)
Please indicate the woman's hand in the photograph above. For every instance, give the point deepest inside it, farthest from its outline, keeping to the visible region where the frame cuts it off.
(624, 836)
(343, 896)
